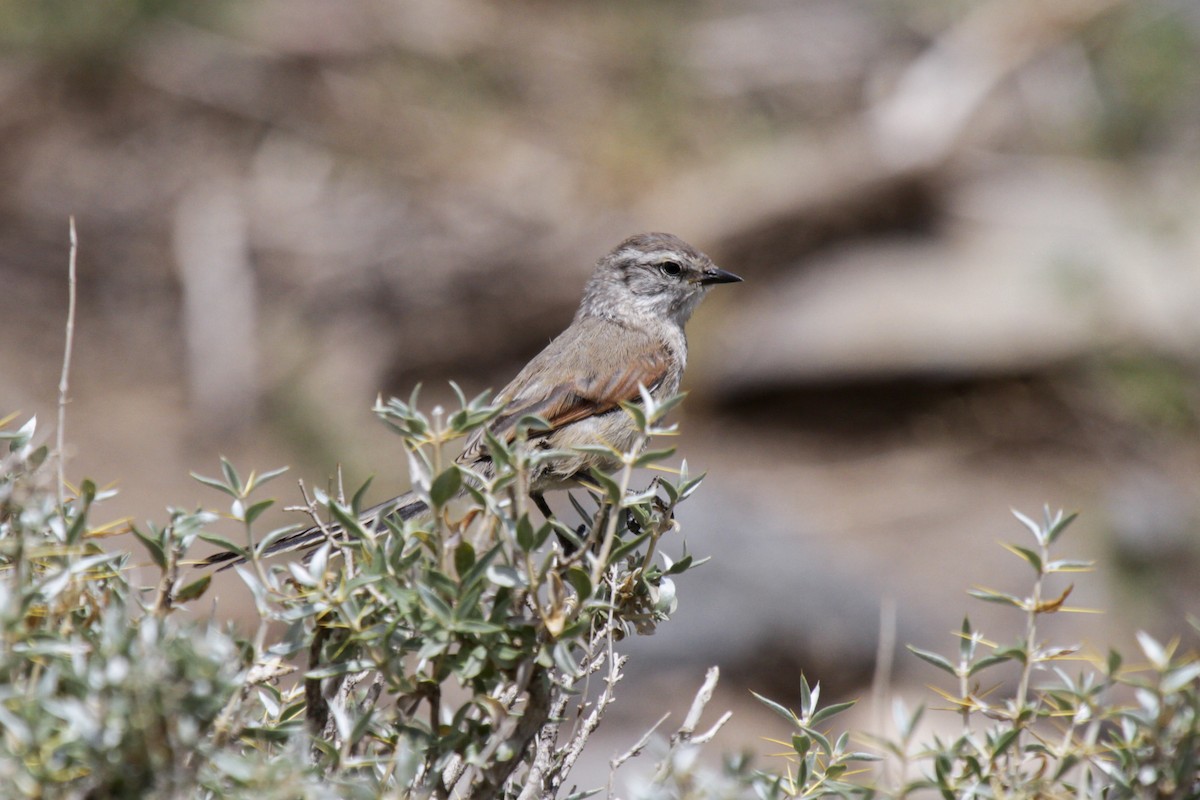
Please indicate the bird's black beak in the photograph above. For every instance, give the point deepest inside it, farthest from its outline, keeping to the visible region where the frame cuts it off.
(714, 275)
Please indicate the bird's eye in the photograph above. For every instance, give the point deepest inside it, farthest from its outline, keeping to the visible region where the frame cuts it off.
(671, 268)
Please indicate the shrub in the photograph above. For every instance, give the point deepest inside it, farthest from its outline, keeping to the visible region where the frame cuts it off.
(448, 655)
(472, 653)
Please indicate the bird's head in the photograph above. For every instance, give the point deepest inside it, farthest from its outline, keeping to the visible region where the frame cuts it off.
(651, 276)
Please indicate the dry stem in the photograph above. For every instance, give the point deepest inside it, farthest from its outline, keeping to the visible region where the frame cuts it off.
(63, 381)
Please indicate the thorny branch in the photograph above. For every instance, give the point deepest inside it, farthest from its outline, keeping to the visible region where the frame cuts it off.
(683, 737)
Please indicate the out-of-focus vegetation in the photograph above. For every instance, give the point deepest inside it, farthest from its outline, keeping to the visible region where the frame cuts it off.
(475, 654)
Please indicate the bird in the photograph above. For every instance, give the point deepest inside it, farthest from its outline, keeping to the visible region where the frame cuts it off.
(626, 336)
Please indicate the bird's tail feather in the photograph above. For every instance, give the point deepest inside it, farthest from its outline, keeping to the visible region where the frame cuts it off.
(404, 507)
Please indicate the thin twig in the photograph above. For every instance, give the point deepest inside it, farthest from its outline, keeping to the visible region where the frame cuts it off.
(885, 653)
(634, 751)
(607, 696)
(63, 381)
(881, 681)
(684, 734)
(683, 737)
(551, 764)
(710, 734)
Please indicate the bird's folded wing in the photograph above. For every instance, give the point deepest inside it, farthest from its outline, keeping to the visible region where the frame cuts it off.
(574, 399)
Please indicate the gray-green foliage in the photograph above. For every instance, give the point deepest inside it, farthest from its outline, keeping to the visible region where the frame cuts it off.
(100, 697)
(451, 654)
(472, 653)
(1064, 731)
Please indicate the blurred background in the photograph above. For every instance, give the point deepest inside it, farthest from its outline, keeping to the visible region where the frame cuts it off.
(969, 232)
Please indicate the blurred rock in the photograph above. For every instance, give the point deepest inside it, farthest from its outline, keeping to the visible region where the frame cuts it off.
(1038, 264)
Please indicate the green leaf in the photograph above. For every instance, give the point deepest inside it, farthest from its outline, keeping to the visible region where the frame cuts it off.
(905, 723)
(933, 658)
(476, 626)
(966, 641)
(664, 406)
(801, 743)
(1012, 653)
(500, 452)
(1155, 652)
(254, 511)
(989, 596)
(1033, 527)
(634, 410)
(356, 502)
(274, 536)
(821, 740)
(1178, 678)
(214, 483)
(1070, 565)
(458, 394)
(38, 457)
(610, 487)
(680, 566)
(349, 522)
(506, 576)
(436, 605)
(154, 546)
(78, 524)
(653, 456)
(1059, 526)
(445, 486)
(525, 533)
(341, 668)
(224, 543)
(776, 707)
(988, 661)
(807, 696)
(541, 534)
(829, 711)
(564, 660)
(1031, 557)
(194, 589)
(478, 569)
(258, 480)
(628, 547)
(687, 487)
(581, 582)
(464, 559)
(232, 479)
(532, 423)
(1004, 741)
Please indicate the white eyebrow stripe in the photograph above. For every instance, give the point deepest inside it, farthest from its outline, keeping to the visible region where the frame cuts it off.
(650, 257)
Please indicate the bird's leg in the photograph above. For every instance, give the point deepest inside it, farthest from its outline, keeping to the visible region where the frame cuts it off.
(539, 500)
(568, 546)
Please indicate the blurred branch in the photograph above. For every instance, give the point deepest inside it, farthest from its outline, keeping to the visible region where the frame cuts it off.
(220, 303)
(792, 195)
(921, 122)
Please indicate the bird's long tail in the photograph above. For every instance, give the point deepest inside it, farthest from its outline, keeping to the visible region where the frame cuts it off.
(404, 507)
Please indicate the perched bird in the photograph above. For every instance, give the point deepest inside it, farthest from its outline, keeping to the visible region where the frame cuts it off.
(628, 332)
